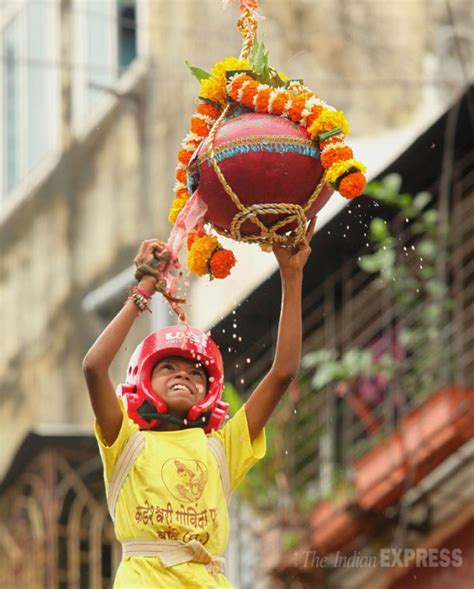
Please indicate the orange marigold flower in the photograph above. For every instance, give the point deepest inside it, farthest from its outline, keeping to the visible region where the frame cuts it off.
(336, 155)
(250, 4)
(297, 108)
(248, 95)
(262, 100)
(199, 127)
(182, 193)
(184, 156)
(331, 141)
(313, 116)
(280, 102)
(181, 175)
(222, 262)
(352, 185)
(204, 108)
(237, 84)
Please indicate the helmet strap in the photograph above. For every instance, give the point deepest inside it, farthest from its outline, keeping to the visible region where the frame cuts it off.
(147, 412)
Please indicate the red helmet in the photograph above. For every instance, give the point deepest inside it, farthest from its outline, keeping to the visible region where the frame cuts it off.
(145, 407)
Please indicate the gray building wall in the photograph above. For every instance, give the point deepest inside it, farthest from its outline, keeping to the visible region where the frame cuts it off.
(111, 186)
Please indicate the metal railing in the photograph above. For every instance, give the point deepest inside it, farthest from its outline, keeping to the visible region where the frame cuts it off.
(325, 435)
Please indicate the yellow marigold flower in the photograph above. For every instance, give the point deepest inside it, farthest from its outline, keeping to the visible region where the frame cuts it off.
(200, 253)
(230, 63)
(339, 168)
(176, 206)
(213, 90)
(214, 87)
(327, 120)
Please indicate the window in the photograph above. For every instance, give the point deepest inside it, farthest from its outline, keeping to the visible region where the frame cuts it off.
(105, 45)
(28, 89)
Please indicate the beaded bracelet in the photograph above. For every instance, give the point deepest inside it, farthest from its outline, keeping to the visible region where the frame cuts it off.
(140, 298)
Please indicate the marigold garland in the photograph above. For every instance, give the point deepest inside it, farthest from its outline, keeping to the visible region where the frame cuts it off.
(300, 105)
(326, 126)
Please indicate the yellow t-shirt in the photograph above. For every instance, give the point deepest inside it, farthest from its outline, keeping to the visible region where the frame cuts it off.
(174, 492)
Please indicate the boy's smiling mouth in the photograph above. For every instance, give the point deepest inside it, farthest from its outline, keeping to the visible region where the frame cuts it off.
(181, 387)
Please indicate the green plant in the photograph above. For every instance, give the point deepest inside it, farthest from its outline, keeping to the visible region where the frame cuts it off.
(419, 295)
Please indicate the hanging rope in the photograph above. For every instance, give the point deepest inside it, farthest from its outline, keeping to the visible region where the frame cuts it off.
(293, 213)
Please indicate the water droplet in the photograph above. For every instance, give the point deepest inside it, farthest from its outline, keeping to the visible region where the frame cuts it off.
(242, 380)
(286, 452)
(248, 360)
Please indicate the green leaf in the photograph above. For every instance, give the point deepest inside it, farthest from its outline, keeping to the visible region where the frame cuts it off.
(357, 361)
(381, 260)
(405, 200)
(318, 357)
(428, 248)
(323, 376)
(430, 219)
(378, 229)
(370, 264)
(392, 183)
(258, 59)
(421, 200)
(198, 73)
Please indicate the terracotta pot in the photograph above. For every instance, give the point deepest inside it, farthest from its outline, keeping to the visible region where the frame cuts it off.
(265, 159)
(424, 438)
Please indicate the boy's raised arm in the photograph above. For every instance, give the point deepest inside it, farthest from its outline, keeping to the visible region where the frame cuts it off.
(98, 359)
(264, 399)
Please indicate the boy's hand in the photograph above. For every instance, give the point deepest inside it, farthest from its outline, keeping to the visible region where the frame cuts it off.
(294, 259)
(148, 254)
(149, 251)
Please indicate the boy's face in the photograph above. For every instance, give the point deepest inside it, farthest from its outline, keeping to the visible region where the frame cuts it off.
(180, 382)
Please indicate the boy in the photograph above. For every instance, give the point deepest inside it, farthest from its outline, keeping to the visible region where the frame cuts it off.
(168, 469)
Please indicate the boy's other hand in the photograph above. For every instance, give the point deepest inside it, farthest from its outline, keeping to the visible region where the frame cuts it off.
(294, 259)
(148, 252)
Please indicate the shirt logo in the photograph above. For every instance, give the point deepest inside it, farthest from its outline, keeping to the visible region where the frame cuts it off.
(184, 479)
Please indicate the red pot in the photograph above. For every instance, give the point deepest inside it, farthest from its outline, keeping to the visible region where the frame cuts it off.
(265, 159)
